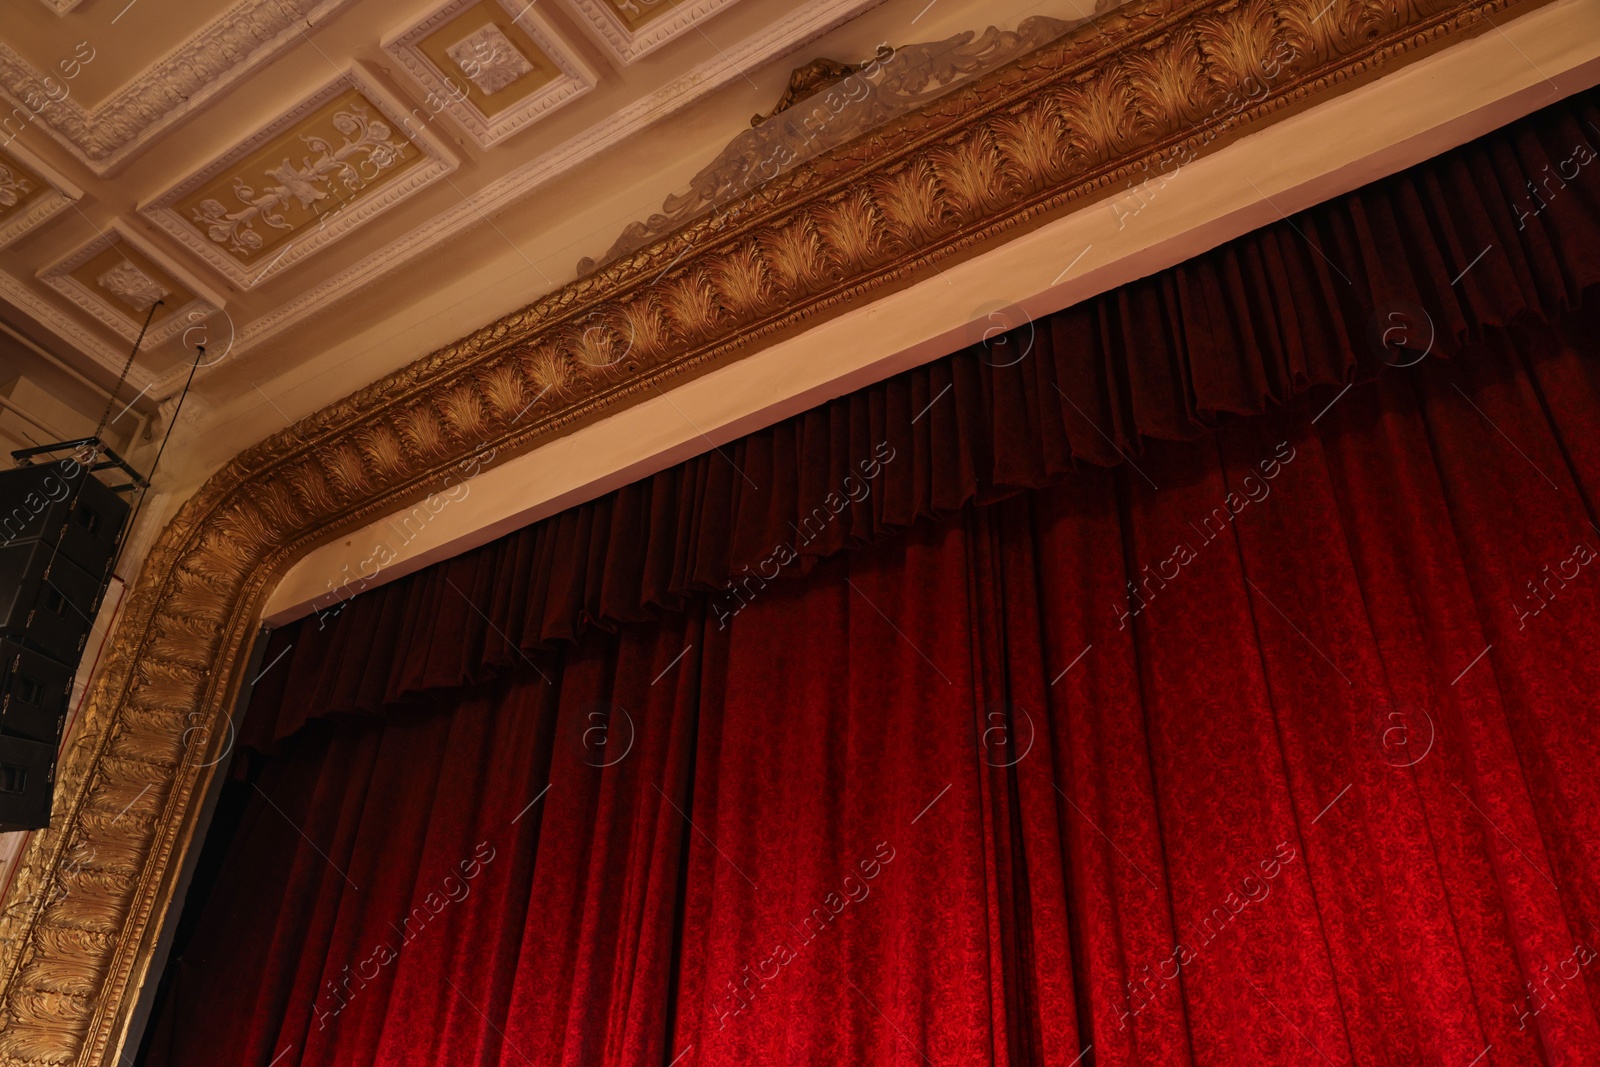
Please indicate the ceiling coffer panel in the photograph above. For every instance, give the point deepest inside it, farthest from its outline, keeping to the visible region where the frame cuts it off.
(494, 66)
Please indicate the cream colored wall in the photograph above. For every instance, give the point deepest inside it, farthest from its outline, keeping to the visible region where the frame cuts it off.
(1376, 129)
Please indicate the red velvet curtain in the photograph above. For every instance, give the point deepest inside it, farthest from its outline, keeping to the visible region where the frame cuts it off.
(1276, 746)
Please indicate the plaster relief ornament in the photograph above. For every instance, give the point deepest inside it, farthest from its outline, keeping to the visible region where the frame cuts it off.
(13, 187)
(489, 59)
(365, 152)
(633, 9)
(828, 104)
(131, 285)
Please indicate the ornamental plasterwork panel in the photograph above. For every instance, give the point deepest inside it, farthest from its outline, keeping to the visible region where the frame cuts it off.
(82, 921)
(17, 187)
(495, 66)
(489, 60)
(132, 286)
(629, 29)
(118, 276)
(344, 155)
(30, 192)
(227, 49)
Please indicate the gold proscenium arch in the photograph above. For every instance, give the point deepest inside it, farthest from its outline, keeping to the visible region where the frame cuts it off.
(1156, 79)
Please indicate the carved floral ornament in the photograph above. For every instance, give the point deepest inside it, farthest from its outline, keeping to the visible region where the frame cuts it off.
(331, 164)
(132, 286)
(1077, 116)
(489, 59)
(364, 153)
(14, 188)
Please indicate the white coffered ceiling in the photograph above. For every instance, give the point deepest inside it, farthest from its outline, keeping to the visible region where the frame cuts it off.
(321, 191)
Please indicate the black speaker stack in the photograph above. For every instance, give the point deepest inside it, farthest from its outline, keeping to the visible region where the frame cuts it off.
(60, 529)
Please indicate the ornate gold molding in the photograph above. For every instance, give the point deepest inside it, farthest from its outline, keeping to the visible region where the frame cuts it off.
(1153, 80)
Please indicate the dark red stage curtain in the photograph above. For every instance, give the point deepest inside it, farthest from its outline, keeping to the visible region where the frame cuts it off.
(1328, 792)
(1273, 747)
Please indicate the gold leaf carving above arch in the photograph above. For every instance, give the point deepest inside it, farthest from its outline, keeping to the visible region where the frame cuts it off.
(1078, 116)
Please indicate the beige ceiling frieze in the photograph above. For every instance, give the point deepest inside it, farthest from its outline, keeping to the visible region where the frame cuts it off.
(1081, 116)
(232, 49)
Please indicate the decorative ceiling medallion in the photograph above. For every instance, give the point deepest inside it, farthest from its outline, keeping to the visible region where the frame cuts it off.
(489, 60)
(15, 187)
(132, 286)
(495, 66)
(19, 189)
(629, 29)
(337, 160)
(30, 192)
(118, 276)
(82, 918)
(229, 47)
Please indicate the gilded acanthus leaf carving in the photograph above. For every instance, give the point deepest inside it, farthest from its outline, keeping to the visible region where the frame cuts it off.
(383, 450)
(1107, 114)
(345, 469)
(596, 345)
(1163, 80)
(742, 277)
(852, 231)
(464, 413)
(1235, 42)
(549, 372)
(505, 391)
(692, 305)
(1069, 115)
(642, 322)
(421, 431)
(910, 202)
(972, 170)
(795, 252)
(1034, 138)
